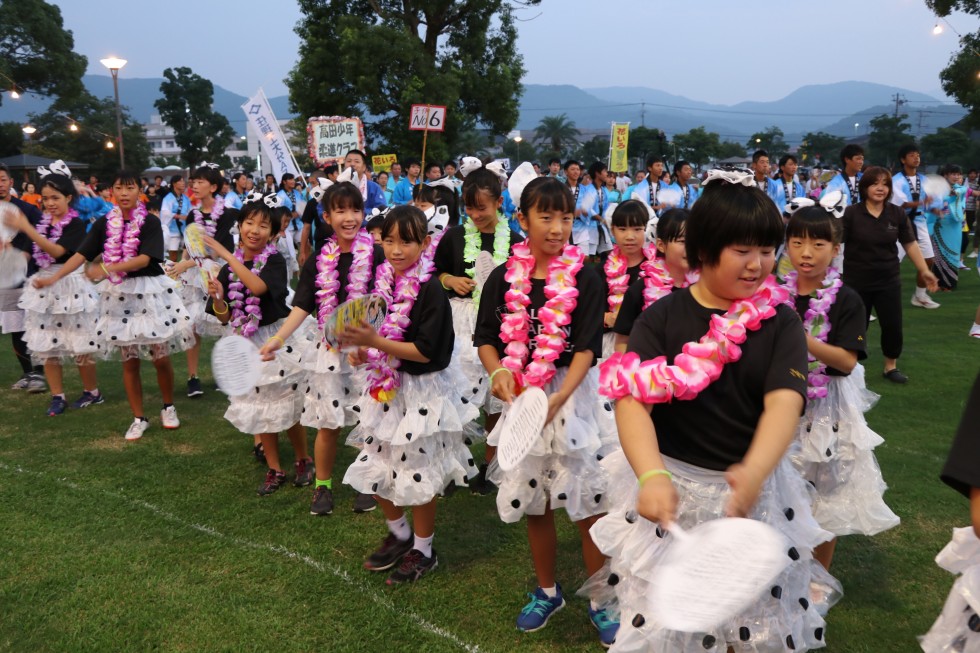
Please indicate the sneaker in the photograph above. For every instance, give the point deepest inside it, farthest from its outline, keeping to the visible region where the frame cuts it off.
(896, 376)
(36, 383)
(480, 485)
(534, 616)
(364, 503)
(168, 416)
(964, 266)
(258, 451)
(924, 303)
(88, 399)
(972, 255)
(57, 407)
(607, 627)
(305, 473)
(322, 503)
(22, 382)
(975, 330)
(137, 429)
(412, 567)
(194, 388)
(389, 553)
(273, 481)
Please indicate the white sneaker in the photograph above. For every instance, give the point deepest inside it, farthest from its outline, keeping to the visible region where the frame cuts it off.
(973, 255)
(975, 330)
(137, 429)
(924, 303)
(169, 418)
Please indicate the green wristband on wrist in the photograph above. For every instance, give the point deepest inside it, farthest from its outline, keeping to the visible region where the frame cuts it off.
(498, 371)
(646, 476)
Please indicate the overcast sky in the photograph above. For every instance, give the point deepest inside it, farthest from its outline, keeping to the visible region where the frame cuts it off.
(714, 50)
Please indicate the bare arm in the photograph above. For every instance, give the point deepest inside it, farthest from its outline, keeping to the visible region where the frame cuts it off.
(293, 320)
(657, 498)
(915, 255)
(836, 357)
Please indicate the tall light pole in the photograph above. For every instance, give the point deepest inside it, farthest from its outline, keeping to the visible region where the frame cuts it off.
(114, 64)
(856, 125)
(518, 139)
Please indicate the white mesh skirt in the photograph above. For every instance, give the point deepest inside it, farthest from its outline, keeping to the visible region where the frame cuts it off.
(788, 616)
(413, 446)
(464, 324)
(957, 630)
(59, 321)
(194, 294)
(143, 317)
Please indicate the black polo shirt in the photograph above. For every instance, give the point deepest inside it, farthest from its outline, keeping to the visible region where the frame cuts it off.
(870, 255)
(962, 469)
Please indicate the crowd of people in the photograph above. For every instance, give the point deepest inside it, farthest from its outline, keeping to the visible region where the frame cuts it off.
(685, 380)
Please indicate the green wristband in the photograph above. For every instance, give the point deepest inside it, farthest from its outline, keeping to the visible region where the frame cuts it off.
(646, 476)
(498, 371)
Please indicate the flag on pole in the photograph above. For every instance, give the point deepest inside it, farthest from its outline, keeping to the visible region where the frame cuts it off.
(618, 141)
(260, 116)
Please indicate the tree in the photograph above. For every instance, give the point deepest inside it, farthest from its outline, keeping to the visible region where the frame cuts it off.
(201, 133)
(517, 154)
(594, 149)
(697, 146)
(11, 138)
(376, 58)
(770, 140)
(558, 133)
(960, 77)
(645, 141)
(37, 52)
(477, 143)
(888, 134)
(728, 149)
(947, 145)
(821, 146)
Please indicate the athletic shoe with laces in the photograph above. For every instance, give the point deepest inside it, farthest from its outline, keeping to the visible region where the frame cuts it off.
(57, 407)
(168, 416)
(36, 384)
(607, 627)
(535, 614)
(137, 429)
(972, 255)
(924, 303)
(389, 553)
(322, 503)
(273, 481)
(194, 388)
(413, 566)
(87, 399)
(305, 473)
(364, 503)
(975, 330)
(22, 382)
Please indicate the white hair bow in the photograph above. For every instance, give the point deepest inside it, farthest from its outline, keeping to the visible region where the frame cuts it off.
(731, 176)
(348, 174)
(521, 177)
(833, 203)
(500, 169)
(254, 196)
(317, 192)
(442, 182)
(469, 164)
(57, 168)
(272, 201)
(213, 166)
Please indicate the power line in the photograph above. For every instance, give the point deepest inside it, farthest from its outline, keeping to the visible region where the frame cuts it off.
(724, 111)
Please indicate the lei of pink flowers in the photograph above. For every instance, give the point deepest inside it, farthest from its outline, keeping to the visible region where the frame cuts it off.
(700, 363)
(400, 293)
(658, 282)
(556, 313)
(211, 223)
(328, 281)
(618, 275)
(245, 310)
(816, 321)
(42, 258)
(122, 241)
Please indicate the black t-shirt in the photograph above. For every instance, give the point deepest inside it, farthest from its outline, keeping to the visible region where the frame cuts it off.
(715, 429)
(21, 241)
(272, 303)
(449, 254)
(319, 229)
(305, 297)
(631, 308)
(72, 236)
(962, 469)
(848, 324)
(583, 333)
(151, 244)
(870, 254)
(430, 330)
(634, 276)
(222, 232)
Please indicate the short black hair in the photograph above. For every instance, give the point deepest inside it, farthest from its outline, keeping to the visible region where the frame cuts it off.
(409, 221)
(730, 214)
(331, 168)
(174, 179)
(871, 176)
(210, 175)
(631, 213)
(126, 178)
(786, 158)
(554, 159)
(61, 184)
(546, 194)
(479, 181)
(653, 158)
(439, 196)
(411, 161)
(850, 151)
(596, 168)
(344, 195)
(570, 163)
(907, 149)
(814, 222)
(259, 208)
(952, 169)
(671, 225)
(430, 165)
(680, 166)
(449, 163)
(758, 154)
(375, 223)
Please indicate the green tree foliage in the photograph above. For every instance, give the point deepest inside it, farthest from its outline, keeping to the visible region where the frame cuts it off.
(770, 140)
(823, 146)
(376, 58)
(37, 52)
(477, 143)
(592, 150)
(11, 139)
(557, 133)
(201, 133)
(697, 146)
(888, 134)
(728, 149)
(961, 76)
(517, 154)
(947, 145)
(645, 141)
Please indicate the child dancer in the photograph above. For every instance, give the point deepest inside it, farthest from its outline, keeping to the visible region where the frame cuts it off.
(140, 311)
(836, 445)
(250, 295)
(412, 413)
(59, 321)
(723, 414)
(342, 270)
(544, 289)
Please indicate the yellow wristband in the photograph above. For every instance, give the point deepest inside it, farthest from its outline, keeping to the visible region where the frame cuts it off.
(498, 371)
(214, 305)
(104, 268)
(442, 281)
(281, 341)
(646, 476)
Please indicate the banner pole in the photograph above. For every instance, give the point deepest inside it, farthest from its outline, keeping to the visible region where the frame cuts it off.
(425, 138)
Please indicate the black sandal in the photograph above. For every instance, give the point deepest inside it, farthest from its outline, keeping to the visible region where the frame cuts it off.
(895, 376)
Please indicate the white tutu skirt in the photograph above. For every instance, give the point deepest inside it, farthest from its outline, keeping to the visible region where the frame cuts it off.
(59, 321)
(276, 401)
(562, 469)
(834, 453)
(413, 446)
(194, 294)
(787, 616)
(957, 630)
(464, 324)
(143, 317)
(608, 344)
(333, 386)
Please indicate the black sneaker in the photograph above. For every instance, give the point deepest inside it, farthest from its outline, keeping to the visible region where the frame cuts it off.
(480, 484)
(389, 553)
(413, 566)
(194, 388)
(273, 481)
(364, 503)
(322, 503)
(305, 473)
(259, 452)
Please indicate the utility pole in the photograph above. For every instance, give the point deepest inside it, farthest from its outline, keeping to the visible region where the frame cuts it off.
(899, 100)
(643, 114)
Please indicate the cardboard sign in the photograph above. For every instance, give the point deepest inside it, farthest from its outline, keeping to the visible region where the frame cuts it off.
(330, 138)
(482, 269)
(427, 117)
(236, 365)
(369, 308)
(522, 427)
(383, 162)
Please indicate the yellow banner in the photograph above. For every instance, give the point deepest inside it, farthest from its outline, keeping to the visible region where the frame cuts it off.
(619, 140)
(382, 162)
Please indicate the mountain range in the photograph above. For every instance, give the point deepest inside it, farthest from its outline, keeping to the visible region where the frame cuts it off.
(833, 108)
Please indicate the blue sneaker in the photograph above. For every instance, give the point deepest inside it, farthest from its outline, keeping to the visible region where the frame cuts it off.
(87, 399)
(535, 614)
(607, 627)
(57, 406)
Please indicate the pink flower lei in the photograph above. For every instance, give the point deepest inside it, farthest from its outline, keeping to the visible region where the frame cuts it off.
(816, 321)
(245, 310)
(328, 281)
(210, 224)
(618, 275)
(561, 296)
(42, 258)
(658, 282)
(122, 240)
(383, 379)
(700, 363)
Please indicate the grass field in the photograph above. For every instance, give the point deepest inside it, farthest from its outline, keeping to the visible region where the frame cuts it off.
(163, 545)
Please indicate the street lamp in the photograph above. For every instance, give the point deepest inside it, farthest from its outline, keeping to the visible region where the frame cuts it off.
(28, 129)
(856, 125)
(518, 139)
(114, 64)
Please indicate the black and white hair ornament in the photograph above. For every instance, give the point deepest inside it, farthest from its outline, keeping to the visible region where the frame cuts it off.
(832, 202)
(57, 168)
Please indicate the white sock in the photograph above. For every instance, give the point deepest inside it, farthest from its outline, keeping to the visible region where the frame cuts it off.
(400, 529)
(424, 545)
(550, 592)
(921, 293)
